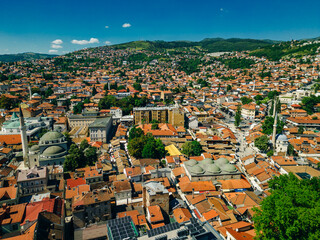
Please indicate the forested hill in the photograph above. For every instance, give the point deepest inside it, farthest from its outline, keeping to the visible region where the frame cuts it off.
(208, 44)
(24, 57)
(296, 49)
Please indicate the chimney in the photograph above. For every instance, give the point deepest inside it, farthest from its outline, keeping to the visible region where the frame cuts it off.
(192, 193)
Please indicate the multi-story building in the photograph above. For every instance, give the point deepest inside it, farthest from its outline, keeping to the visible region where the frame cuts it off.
(92, 207)
(32, 181)
(161, 114)
(99, 130)
(154, 193)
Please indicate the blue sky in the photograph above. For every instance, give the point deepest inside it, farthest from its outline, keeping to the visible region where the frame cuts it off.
(32, 25)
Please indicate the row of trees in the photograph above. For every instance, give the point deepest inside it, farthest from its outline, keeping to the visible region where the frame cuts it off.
(145, 146)
(79, 157)
(126, 104)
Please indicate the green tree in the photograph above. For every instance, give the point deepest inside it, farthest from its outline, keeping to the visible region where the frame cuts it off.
(262, 143)
(229, 88)
(154, 126)
(90, 155)
(245, 100)
(136, 145)
(237, 117)
(48, 92)
(300, 130)
(74, 159)
(291, 212)
(270, 153)
(273, 94)
(84, 145)
(137, 86)
(267, 126)
(94, 91)
(77, 109)
(135, 133)
(193, 148)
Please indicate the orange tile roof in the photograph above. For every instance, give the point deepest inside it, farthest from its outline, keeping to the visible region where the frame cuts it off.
(181, 215)
(210, 215)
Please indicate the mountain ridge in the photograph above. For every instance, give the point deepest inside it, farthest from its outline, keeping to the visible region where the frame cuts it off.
(26, 56)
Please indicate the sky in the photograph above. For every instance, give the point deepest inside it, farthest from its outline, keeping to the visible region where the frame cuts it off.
(62, 26)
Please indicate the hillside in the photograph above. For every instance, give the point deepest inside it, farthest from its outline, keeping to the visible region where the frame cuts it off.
(24, 57)
(295, 49)
(208, 44)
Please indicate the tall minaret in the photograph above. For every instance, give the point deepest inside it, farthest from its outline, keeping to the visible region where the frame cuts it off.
(274, 123)
(30, 93)
(254, 84)
(24, 140)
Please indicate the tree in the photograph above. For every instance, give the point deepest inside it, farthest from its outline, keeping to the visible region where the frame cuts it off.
(267, 126)
(48, 92)
(270, 153)
(300, 130)
(291, 151)
(94, 91)
(90, 155)
(84, 145)
(145, 146)
(237, 117)
(135, 146)
(292, 211)
(77, 109)
(193, 148)
(135, 133)
(245, 100)
(68, 138)
(154, 126)
(262, 143)
(273, 94)
(229, 88)
(74, 159)
(137, 86)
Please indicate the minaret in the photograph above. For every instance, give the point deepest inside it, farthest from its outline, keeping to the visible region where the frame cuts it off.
(24, 141)
(30, 93)
(274, 123)
(254, 84)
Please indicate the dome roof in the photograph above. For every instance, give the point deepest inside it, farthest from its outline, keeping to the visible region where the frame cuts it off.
(229, 168)
(35, 148)
(206, 161)
(213, 168)
(191, 162)
(222, 161)
(51, 136)
(15, 124)
(53, 150)
(35, 95)
(282, 137)
(197, 169)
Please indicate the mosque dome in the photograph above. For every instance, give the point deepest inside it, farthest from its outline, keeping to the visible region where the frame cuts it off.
(221, 161)
(191, 163)
(53, 150)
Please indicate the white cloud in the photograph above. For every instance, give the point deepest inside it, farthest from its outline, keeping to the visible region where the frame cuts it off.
(53, 51)
(106, 26)
(126, 25)
(107, 42)
(55, 46)
(57, 41)
(221, 9)
(84, 42)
